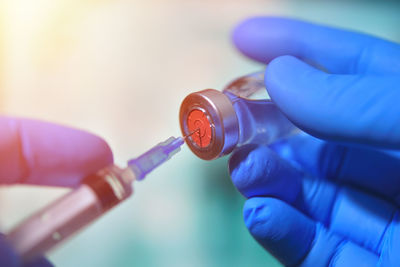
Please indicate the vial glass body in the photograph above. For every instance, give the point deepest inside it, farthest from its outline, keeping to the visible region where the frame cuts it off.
(232, 118)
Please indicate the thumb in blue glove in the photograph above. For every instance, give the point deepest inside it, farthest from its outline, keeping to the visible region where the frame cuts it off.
(313, 202)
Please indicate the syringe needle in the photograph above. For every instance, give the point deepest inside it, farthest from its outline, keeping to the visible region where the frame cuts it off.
(157, 155)
(190, 134)
(153, 158)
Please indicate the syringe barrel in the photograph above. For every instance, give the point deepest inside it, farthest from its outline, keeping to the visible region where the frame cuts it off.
(72, 212)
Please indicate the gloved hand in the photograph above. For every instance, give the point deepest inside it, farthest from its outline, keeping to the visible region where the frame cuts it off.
(335, 201)
(40, 153)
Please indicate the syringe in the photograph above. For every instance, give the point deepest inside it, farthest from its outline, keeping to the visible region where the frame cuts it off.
(99, 193)
(156, 156)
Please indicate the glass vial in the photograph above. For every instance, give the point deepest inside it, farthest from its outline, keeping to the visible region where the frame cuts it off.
(218, 122)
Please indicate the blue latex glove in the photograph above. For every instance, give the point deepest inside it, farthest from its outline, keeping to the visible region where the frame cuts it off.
(322, 203)
(40, 153)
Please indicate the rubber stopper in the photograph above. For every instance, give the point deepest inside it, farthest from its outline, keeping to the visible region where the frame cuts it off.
(200, 126)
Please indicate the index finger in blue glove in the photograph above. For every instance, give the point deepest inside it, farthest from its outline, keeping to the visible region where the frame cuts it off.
(296, 240)
(352, 213)
(339, 51)
(42, 153)
(258, 171)
(375, 171)
(344, 108)
(9, 258)
(41, 262)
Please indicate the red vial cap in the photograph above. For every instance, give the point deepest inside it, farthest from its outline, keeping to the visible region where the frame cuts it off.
(198, 123)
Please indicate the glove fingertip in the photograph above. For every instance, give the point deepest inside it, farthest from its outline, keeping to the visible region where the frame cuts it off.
(240, 163)
(250, 167)
(283, 231)
(257, 217)
(303, 93)
(247, 35)
(8, 256)
(259, 171)
(283, 74)
(41, 262)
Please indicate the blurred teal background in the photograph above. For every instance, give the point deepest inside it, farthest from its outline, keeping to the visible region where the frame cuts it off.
(120, 69)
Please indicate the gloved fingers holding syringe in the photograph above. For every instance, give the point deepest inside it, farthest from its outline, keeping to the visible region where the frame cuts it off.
(41, 153)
